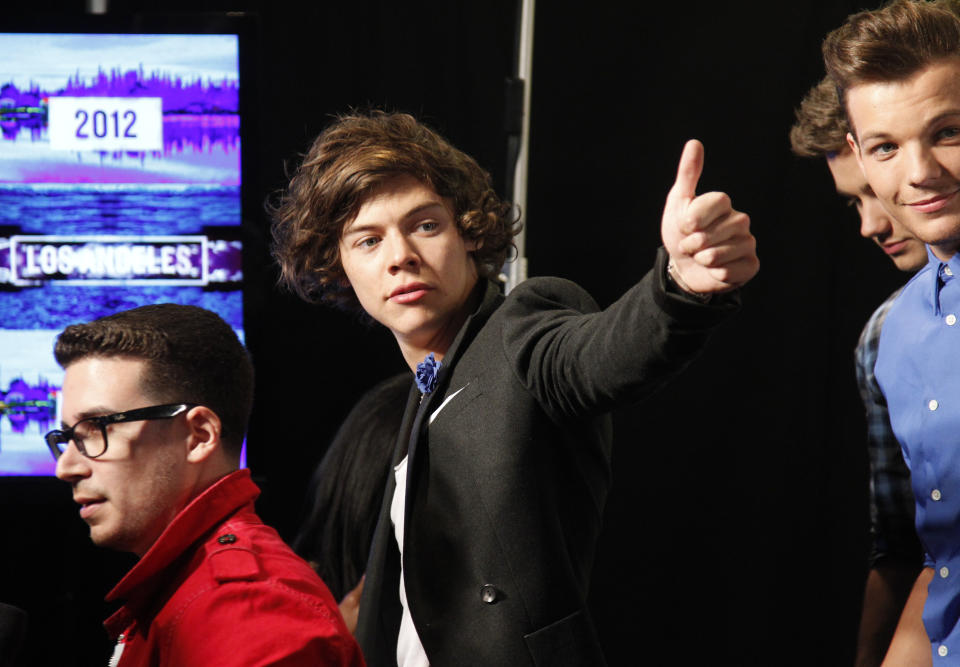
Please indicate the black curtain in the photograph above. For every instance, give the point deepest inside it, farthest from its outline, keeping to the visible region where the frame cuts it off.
(736, 530)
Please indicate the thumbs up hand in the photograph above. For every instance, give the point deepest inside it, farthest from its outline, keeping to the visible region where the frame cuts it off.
(710, 245)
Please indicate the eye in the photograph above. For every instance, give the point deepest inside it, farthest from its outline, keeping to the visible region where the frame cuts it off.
(854, 202)
(886, 148)
(428, 226)
(368, 242)
(949, 133)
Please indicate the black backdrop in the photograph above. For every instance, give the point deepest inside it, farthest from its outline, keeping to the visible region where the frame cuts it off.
(736, 527)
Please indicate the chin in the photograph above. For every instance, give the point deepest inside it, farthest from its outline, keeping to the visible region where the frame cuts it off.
(909, 263)
(101, 540)
(106, 539)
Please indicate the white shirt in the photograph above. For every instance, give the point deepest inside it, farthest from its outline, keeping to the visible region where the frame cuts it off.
(410, 651)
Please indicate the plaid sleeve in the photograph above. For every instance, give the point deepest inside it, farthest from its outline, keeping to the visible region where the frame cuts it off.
(891, 497)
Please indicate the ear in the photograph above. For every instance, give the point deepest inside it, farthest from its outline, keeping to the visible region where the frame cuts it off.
(852, 143)
(855, 147)
(204, 437)
(473, 246)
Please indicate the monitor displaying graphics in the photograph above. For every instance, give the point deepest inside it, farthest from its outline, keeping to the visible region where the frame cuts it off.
(120, 186)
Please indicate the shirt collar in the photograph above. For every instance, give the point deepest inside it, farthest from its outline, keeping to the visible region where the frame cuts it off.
(940, 273)
(204, 512)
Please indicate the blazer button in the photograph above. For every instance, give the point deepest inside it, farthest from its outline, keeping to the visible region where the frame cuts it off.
(227, 539)
(489, 594)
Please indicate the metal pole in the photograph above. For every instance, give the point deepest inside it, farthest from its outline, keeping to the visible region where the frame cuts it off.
(517, 268)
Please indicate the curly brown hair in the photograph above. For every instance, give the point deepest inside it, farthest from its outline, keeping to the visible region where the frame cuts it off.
(347, 163)
(821, 127)
(891, 43)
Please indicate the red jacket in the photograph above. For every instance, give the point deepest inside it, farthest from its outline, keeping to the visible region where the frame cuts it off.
(221, 588)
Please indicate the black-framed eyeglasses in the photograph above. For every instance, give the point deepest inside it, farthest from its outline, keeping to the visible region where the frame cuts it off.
(90, 434)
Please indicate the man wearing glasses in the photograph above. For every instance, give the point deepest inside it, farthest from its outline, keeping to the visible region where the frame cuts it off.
(157, 400)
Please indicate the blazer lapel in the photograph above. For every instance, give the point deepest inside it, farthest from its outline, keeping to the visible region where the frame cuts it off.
(492, 298)
(380, 611)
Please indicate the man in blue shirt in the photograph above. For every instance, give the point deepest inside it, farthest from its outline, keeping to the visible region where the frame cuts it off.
(898, 73)
(895, 555)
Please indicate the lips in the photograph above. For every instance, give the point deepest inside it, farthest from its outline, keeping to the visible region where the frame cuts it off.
(409, 293)
(893, 247)
(933, 204)
(88, 505)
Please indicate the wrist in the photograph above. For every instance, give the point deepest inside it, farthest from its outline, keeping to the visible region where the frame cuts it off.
(673, 276)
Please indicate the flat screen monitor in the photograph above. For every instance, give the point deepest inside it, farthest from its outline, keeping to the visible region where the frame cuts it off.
(120, 186)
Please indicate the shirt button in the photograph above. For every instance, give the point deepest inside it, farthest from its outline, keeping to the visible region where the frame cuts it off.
(933, 404)
(227, 539)
(951, 319)
(944, 572)
(488, 593)
(942, 651)
(935, 494)
(946, 269)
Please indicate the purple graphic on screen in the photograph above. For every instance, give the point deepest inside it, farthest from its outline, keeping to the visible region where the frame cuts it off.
(120, 186)
(127, 260)
(23, 404)
(6, 274)
(179, 96)
(224, 261)
(194, 76)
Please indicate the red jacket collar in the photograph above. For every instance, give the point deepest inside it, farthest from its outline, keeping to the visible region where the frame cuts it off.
(204, 512)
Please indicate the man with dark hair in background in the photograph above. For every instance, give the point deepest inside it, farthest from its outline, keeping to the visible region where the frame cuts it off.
(895, 555)
(155, 406)
(897, 72)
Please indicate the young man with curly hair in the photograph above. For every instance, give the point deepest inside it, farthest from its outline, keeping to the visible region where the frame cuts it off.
(895, 554)
(897, 71)
(489, 523)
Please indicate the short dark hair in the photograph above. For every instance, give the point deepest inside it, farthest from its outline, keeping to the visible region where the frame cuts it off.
(347, 163)
(192, 356)
(821, 127)
(891, 43)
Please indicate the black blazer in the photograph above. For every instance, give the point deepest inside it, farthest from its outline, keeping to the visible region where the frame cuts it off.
(506, 486)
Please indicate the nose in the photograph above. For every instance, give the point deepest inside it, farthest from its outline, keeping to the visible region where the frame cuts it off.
(924, 167)
(874, 221)
(402, 253)
(72, 465)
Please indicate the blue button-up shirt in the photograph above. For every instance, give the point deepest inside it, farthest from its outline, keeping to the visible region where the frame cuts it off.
(918, 368)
